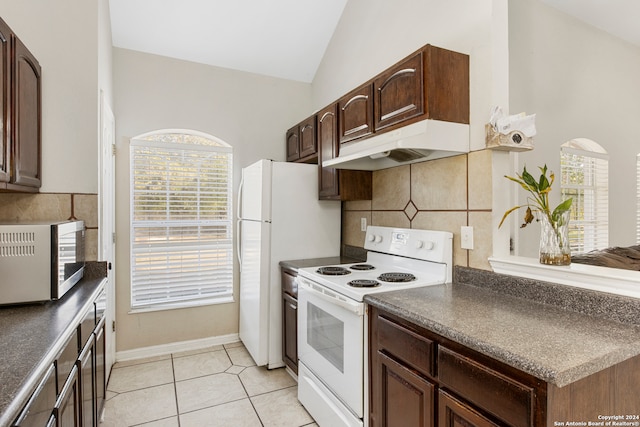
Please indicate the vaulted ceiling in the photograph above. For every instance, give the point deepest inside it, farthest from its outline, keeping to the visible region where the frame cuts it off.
(283, 38)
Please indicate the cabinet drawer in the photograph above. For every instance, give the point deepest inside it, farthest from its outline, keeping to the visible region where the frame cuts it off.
(492, 391)
(289, 284)
(403, 344)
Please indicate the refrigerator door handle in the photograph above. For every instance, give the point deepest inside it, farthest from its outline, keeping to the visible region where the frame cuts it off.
(238, 213)
(239, 240)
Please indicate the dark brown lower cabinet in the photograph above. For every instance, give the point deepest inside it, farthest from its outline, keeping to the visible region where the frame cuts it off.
(406, 398)
(38, 410)
(452, 412)
(67, 410)
(86, 368)
(101, 368)
(289, 319)
(419, 378)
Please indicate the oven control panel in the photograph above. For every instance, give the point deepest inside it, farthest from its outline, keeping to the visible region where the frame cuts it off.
(429, 245)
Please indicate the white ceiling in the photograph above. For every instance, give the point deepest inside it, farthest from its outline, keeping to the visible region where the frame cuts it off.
(618, 17)
(279, 38)
(283, 38)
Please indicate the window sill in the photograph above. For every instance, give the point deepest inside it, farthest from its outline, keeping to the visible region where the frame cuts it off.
(603, 279)
(175, 306)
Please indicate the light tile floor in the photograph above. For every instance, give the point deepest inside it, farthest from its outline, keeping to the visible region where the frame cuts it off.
(216, 387)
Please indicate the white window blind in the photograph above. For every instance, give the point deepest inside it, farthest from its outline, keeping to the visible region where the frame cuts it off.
(585, 178)
(181, 225)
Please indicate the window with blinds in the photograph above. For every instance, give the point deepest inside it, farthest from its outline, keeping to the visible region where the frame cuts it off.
(585, 177)
(181, 224)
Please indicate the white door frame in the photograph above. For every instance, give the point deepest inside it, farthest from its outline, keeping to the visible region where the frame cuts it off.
(106, 219)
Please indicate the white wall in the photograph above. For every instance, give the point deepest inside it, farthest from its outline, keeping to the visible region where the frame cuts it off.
(248, 111)
(580, 82)
(63, 36)
(374, 34)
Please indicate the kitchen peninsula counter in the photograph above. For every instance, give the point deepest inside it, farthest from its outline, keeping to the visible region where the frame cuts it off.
(32, 335)
(556, 333)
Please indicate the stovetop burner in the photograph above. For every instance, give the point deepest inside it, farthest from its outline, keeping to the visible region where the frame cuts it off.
(333, 271)
(397, 277)
(364, 283)
(362, 267)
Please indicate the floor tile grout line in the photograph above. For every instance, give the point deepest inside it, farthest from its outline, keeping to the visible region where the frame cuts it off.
(175, 390)
(247, 393)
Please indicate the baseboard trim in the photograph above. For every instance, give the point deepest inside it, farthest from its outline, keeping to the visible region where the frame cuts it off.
(175, 347)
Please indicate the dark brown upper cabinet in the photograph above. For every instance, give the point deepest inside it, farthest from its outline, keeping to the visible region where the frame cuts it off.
(293, 144)
(338, 184)
(355, 111)
(398, 93)
(432, 83)
(20, 164)
(308, 143)
(302, 143)
(5, 101)
(328, 141)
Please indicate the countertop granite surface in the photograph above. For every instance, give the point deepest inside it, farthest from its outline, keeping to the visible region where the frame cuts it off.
(557, 342)
(32, 335)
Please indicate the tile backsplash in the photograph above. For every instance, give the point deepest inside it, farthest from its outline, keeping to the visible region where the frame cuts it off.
(55, 206)
(442, 194)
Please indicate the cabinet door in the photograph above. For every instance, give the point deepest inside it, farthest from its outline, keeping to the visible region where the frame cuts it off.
(38, 409)
(293, 144)
(5, 93)
(399, 93)
(405, 398)
(290, 313)
(356, 114)
(67, 410)
(101, 368)
(308, 144)
(328, 140)
(26, 129)
(452, 412)
(86, 369)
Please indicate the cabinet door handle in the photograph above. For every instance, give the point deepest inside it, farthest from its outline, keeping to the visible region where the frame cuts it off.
(293, 307)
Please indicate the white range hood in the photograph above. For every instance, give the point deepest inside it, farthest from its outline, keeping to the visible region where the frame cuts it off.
(417, 142)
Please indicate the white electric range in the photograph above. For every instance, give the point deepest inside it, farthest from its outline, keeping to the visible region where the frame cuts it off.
(332, 318)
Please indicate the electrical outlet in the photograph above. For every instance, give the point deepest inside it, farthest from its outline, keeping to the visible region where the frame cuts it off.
(466, 237)
(363, 224)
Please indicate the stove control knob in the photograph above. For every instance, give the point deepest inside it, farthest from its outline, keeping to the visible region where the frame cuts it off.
(426, 245)
(419, 244)
(378, 239)
(371, 237)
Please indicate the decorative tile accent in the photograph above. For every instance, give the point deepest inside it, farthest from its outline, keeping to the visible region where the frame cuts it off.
(410, 211)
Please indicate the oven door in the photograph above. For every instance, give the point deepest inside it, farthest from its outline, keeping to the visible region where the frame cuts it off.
(331, 341)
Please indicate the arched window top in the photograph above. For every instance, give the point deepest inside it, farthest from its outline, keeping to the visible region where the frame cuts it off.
(585, 144)
(183, 136)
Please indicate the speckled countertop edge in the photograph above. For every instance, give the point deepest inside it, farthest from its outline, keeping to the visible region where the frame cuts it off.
(36, 355)
(556, 345)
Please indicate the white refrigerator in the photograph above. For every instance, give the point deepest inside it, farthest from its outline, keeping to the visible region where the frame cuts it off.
(279, 218)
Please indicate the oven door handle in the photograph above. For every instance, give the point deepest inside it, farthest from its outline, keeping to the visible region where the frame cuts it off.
(332, 298)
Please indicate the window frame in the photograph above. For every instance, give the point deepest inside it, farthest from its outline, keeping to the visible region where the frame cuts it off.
(595, 220)
(196, 248)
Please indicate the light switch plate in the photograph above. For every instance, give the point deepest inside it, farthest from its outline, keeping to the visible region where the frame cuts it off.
(466, 237)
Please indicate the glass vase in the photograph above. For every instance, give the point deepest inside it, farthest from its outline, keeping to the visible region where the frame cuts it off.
(554, 240)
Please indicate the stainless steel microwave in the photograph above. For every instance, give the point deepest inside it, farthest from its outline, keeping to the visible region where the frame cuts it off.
(40, 261)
